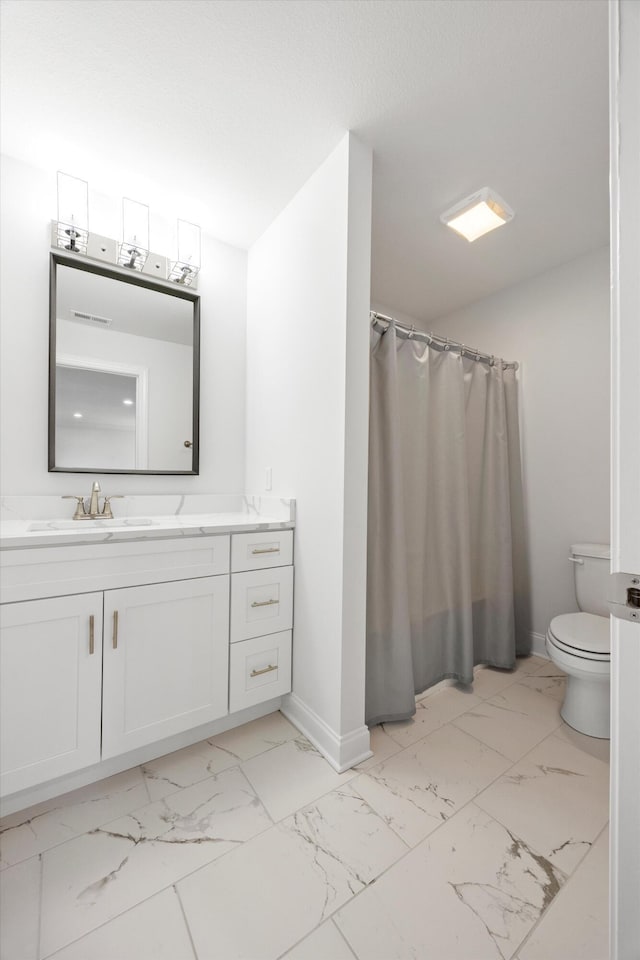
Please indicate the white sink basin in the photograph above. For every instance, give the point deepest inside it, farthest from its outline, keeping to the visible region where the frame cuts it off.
(80, 525)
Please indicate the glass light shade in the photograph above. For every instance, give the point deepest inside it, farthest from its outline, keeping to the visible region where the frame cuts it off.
(134, 248)
(73, 213)
(477, 215)
(135, 223)
(186, 268)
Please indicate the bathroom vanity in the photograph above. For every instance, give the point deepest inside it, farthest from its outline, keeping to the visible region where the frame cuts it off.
(125, 639)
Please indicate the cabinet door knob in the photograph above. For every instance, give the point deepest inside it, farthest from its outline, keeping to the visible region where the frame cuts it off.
(115, 630)
(188, 443)
(92, 627)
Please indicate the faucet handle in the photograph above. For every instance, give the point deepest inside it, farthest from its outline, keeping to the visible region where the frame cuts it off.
(80, 507)
(106, 508)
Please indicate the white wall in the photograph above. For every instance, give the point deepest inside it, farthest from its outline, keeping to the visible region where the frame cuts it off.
(307, 420)
(557, 326)
(28, 205)
(169, 423)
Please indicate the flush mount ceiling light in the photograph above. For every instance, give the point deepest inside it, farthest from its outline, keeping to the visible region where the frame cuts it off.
(478, 214)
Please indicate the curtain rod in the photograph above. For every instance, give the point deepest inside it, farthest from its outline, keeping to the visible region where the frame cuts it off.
(380, 324)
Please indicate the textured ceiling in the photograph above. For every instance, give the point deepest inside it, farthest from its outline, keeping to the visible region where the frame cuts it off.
(228, 107)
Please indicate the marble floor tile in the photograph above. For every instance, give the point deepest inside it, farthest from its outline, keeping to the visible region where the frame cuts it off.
(19, 911)
(551, 684)
(487, 681)
(260, 900)
(575, 927)
(95, 877)
(32, 831)
(325, 943)
(513, 721)
(208, 757)
(471, 890)
(594, 746)
(183, 768)
(415, 790)
(556, 799)
(154, 930)
(432, 712)
(383, 746)
(256, 737)
(292, 775)
(549, 667)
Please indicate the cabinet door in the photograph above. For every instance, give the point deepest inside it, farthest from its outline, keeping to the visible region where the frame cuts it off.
(50, 672)
(166, 658)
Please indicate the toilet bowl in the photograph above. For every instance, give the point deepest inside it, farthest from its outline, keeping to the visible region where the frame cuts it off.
(579, 644)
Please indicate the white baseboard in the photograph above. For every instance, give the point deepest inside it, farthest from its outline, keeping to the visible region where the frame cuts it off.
(342, 751)
(538, 645)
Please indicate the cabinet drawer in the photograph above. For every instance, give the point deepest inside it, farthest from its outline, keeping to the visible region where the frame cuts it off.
(259, 669)
(255, 551)
(56, 571)
(261, 602)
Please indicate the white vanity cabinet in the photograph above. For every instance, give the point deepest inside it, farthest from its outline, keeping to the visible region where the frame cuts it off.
(261, 617)
(165, 660)
(50, 683)
(112, 649)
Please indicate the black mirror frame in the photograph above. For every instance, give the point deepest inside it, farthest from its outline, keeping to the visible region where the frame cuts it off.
(140, 280)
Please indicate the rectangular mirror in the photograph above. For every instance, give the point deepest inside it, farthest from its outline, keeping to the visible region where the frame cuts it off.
(123, 371)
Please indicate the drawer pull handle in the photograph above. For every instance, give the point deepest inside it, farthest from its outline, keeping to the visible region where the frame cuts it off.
(267, 550)
(264, 603)
(92, 624)
(115, 630)
(257, 673)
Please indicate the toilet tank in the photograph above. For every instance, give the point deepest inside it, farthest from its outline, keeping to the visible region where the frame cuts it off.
(592, 576)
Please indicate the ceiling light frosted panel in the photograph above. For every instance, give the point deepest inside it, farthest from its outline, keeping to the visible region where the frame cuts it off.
(478, 214)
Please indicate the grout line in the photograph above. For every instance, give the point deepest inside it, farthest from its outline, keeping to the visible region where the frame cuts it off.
(336, 927)
(356, 773)
(186, 922)
(561, 891)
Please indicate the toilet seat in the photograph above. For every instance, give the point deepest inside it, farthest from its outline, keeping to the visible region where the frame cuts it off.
(582, 635)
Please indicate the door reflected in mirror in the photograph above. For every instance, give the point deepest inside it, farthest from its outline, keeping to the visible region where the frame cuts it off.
(124, 369)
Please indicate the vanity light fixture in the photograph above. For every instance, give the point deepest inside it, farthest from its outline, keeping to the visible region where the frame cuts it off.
(78, 416)
(72, 226)
(128, 403)
(478, 214)
(71, 232)
(185, 269)
(134, 248)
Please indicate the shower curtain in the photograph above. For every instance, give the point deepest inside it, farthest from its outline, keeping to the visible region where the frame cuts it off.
(447, 584)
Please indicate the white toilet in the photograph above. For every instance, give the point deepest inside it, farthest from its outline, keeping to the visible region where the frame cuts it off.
(579, 643)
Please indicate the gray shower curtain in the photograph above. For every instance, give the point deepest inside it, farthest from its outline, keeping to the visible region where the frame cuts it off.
(447, 584)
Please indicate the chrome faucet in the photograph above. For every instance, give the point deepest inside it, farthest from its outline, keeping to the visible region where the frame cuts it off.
(94, 504)
(94, 512)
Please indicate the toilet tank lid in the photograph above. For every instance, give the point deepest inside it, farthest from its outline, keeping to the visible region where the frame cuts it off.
(600, 550)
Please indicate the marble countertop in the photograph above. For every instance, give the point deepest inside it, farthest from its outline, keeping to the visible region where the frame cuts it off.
(40, 521)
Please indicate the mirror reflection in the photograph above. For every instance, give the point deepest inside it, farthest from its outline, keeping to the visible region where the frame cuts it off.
(124, 380)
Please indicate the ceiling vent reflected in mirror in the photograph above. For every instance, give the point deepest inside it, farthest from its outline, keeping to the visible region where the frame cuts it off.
(79, 317)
